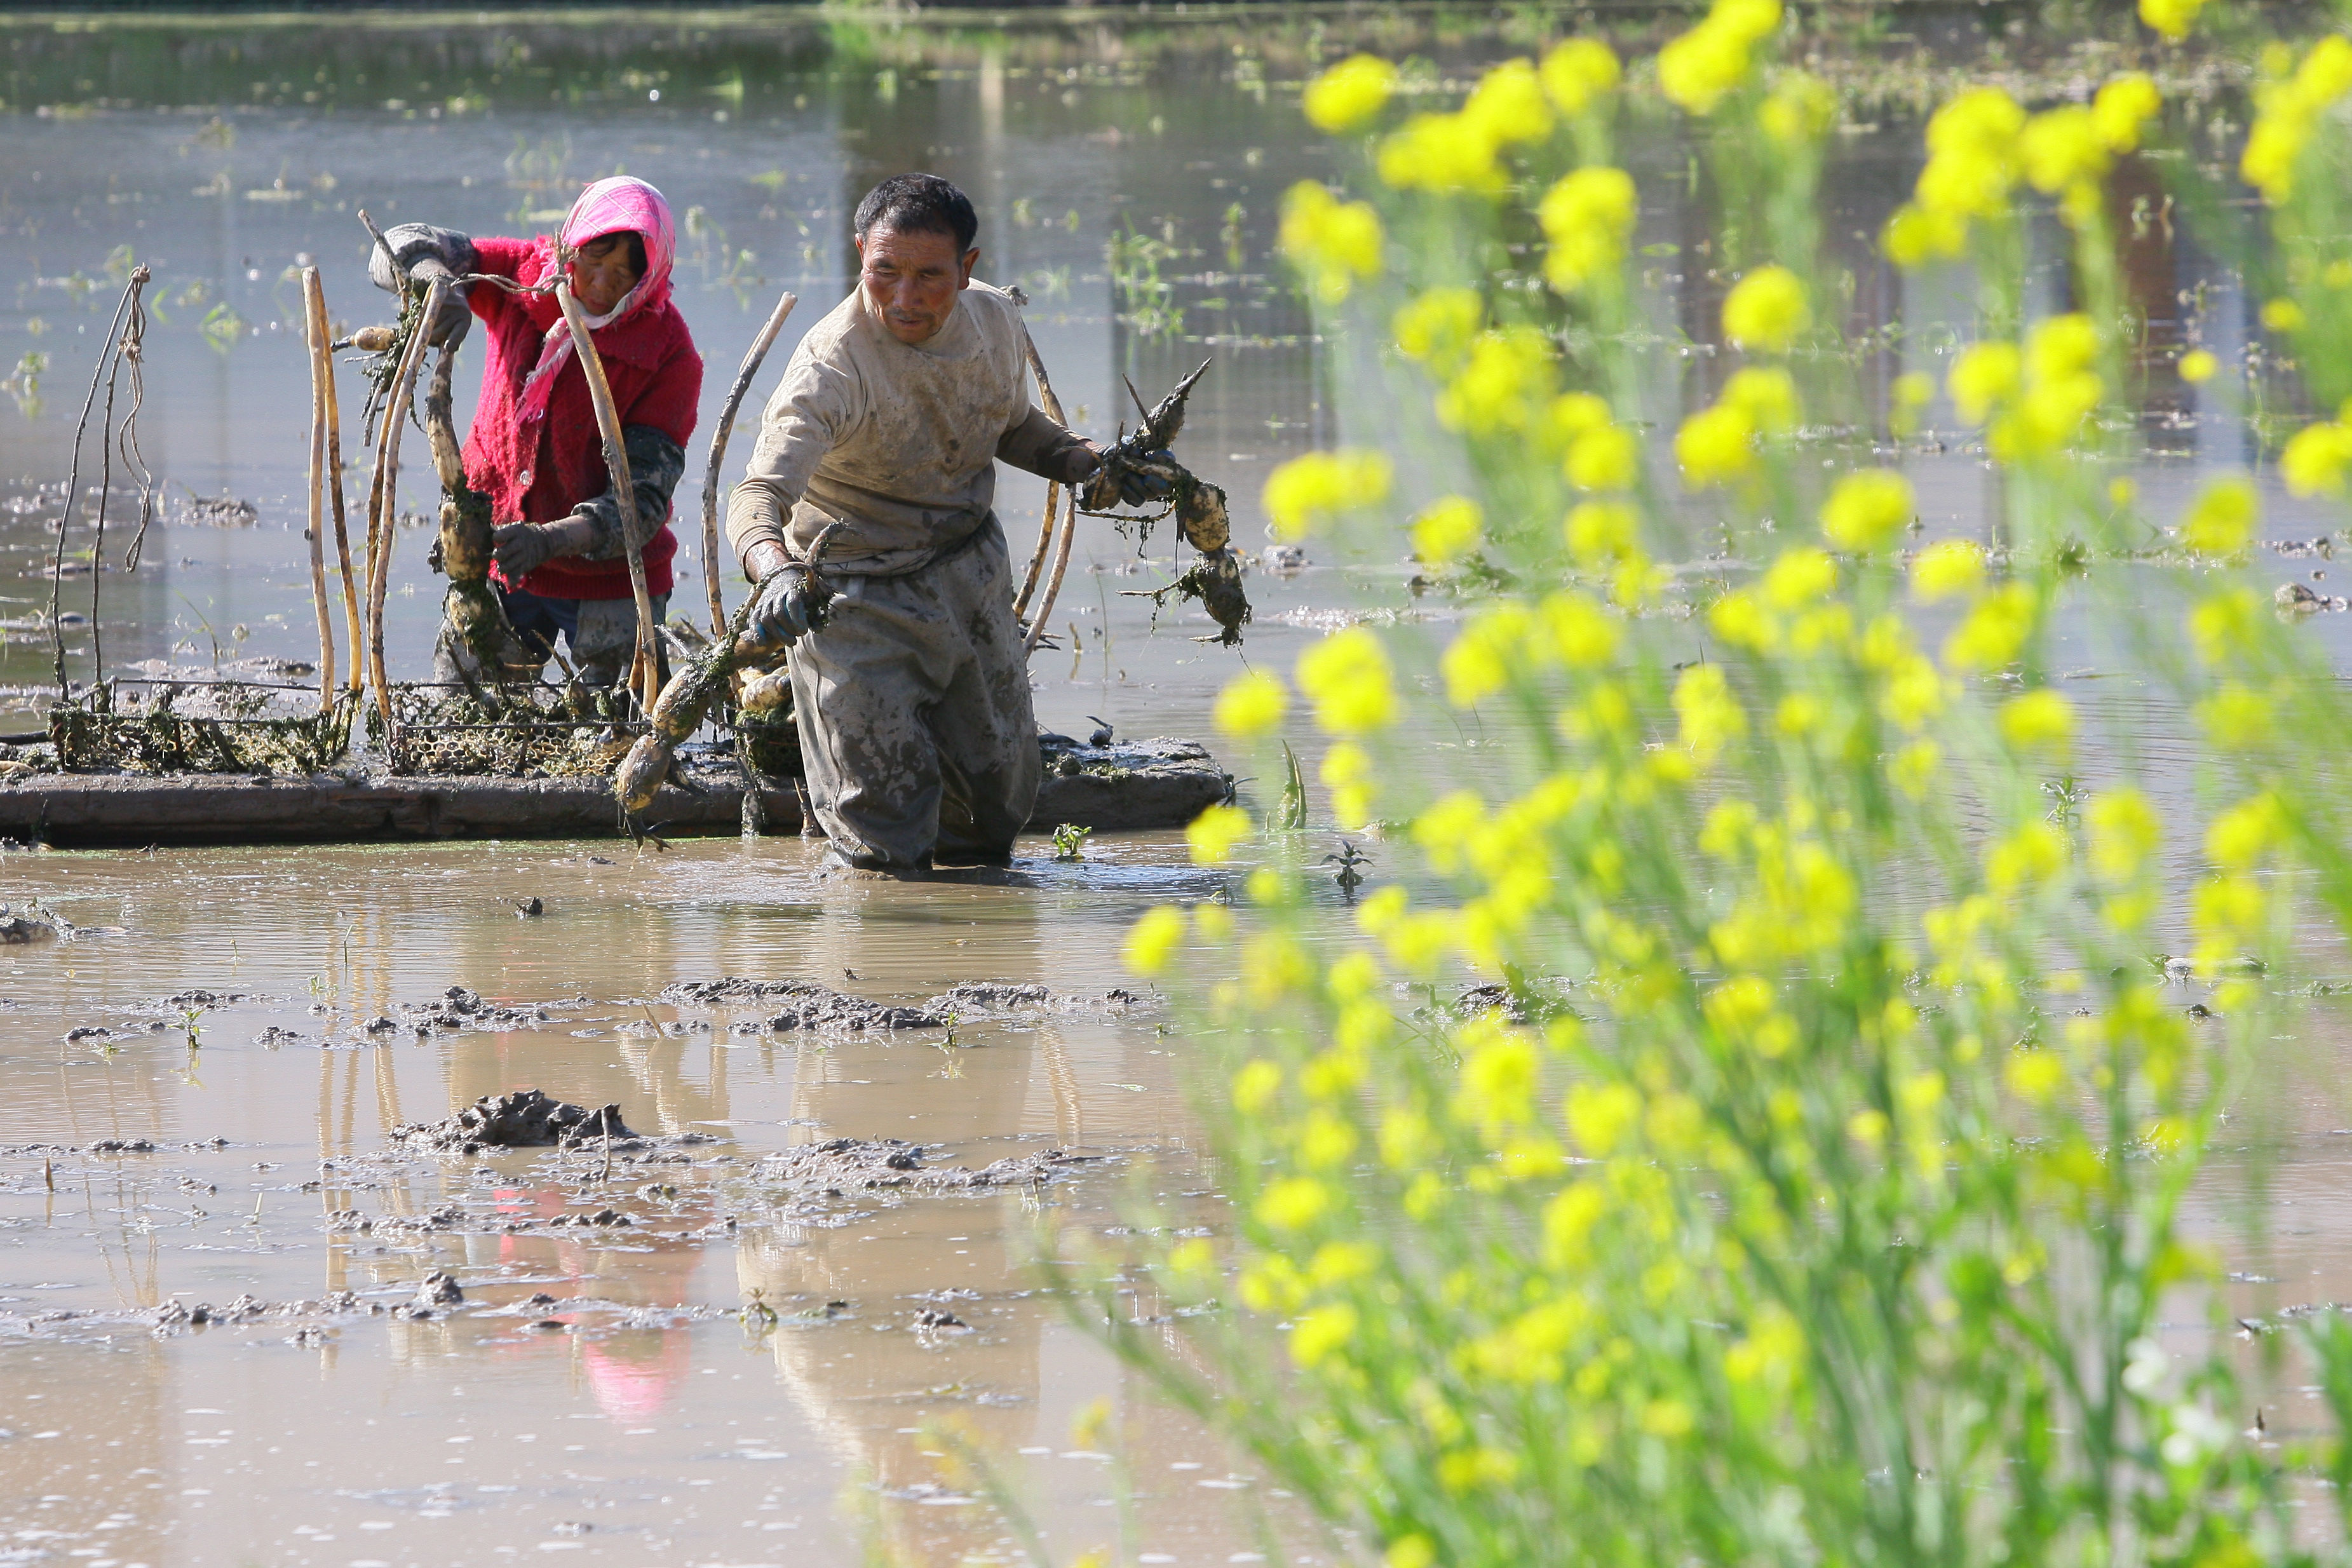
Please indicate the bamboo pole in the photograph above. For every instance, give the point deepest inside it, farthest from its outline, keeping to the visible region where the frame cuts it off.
(1053, 490)
(322, 367)
(1052, 584)
(617, 460)
(384, 503)
(316, 507)
(760, 347)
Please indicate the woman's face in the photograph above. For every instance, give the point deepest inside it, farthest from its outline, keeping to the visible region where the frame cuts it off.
(601, 274)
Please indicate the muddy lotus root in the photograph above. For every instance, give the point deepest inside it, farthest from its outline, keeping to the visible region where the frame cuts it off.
(527, 1118)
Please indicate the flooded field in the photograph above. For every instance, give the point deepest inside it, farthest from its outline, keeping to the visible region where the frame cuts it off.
(241, 1321)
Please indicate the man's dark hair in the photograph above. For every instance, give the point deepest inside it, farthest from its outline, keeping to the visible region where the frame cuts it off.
(912, 204)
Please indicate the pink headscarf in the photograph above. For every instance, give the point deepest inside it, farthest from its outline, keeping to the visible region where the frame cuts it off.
(621, 204)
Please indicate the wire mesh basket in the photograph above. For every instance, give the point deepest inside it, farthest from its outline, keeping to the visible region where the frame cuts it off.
(151, 727)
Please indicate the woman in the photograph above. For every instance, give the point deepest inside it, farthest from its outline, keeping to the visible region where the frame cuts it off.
(560, 565)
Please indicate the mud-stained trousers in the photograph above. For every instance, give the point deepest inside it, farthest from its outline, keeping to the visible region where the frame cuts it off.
(601, 636)
(914, 711)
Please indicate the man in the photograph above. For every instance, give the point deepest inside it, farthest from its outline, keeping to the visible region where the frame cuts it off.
(911, 688)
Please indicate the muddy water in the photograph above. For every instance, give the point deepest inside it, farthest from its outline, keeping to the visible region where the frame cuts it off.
(595, 1391)
(632, 1415)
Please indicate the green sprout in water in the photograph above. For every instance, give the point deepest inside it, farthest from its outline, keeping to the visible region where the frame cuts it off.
(1069, 841)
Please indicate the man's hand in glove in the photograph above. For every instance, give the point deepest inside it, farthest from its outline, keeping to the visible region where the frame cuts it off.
(1116, 482)
(522, 548)
(787, 609)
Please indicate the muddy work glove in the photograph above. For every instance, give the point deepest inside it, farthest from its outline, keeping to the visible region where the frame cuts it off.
(522, 548)
(417, 244)
(1125, 479)
(788, 607)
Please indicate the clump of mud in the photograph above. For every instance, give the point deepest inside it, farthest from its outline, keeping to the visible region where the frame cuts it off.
(527, 1118)
(809, 1004)
(858, 1164)
(814, 1006)
(1015, 999)
(458, 1008)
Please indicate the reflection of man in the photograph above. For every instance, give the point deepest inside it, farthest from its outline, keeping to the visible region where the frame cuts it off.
(911, 689)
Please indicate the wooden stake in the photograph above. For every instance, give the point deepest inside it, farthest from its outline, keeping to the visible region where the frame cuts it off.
(385, 502)
(317, 510)
(760, 347)
(1052, 491)
(322, 367)
(617, 460)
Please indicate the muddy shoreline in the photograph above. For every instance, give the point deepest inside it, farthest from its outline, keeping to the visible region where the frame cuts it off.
(1128, 787)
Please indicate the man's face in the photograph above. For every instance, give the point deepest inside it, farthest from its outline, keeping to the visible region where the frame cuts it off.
(911, 279)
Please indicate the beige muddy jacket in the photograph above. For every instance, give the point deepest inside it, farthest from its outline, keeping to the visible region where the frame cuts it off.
(899, 442)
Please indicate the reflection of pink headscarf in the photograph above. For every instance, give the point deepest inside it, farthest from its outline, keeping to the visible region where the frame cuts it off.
(621, 204)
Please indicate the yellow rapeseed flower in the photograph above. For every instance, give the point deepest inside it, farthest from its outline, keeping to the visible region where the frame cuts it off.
(1697, 68)
(1948, 569)
(1332, 242)
(1995, 631)
(1587, 217)
(1212, 835)
(2061, 147)
(1711, 716)
(1255, 1087)
(2173, 18)
(1308, 492)
(1601, 533)
(1508, 104)
(1349, 94)
(1252, 704)
(2198, 365)
(1913, 236)
(1765, 310)
(1800, 111)
(2037, 720)
(1606, 457)
(2122, 107)
(1153, 939)
(1507, 379)
(1583, 633)
(2282, 315)
(1798, 577)
(1982, 377)
(2125, 831)
(2240, 838)
(1322, 1333)
(1714, 446)
(1576, 72)
(1293, 1203)
(1868, 510)
(1440, 154)
(1347, 674)
(1436, 326)
(1448, 529)
(2223, 520)
(2315, 459)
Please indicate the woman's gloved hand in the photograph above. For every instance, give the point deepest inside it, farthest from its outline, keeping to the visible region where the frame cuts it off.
(416, 244)
(520, 549)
